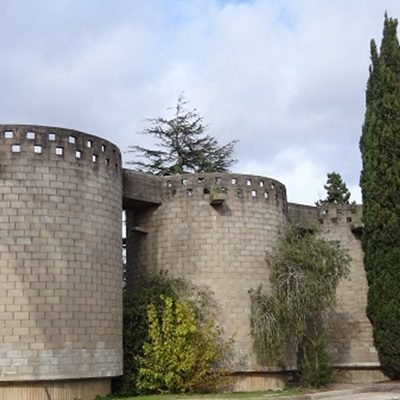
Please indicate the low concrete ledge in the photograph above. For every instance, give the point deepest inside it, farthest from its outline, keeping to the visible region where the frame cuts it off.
(140, 190)
(82, 389)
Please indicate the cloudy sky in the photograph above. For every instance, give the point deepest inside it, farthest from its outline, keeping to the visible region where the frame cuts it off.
(284, 77)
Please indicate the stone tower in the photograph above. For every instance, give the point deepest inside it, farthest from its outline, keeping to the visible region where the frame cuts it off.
(60, 263)
(215, 231)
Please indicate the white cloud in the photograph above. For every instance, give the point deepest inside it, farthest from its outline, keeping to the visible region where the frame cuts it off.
(286, 78)
(293, 167)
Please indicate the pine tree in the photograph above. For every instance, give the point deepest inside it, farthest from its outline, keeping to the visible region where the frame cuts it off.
(380, 184)
(336, 190)
(183, 146)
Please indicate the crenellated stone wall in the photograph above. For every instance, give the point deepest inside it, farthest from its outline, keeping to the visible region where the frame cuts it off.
(214, 230)
(62, 193)
(350, 330)
(61, 263)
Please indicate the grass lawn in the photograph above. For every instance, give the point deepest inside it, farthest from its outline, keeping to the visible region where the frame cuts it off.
(215, 396)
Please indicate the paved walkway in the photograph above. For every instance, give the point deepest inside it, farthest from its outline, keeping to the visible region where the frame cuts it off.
(378, 391)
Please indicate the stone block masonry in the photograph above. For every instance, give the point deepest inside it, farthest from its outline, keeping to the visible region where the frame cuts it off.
(62, 193)
(60, 255)
(222, 247)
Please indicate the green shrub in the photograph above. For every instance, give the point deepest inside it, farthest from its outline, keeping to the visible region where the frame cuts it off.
(182, 350)
(146, 290)
(315, 362)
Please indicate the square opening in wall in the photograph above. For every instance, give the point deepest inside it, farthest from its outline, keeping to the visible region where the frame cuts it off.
(59, 151)
(103, 147)
(234, 181)
(206, 190)
(169, 183)
(107, 162)
(37, 148)
(52, 136)
(72, 139)
(8, 134)
(218, 179)
(261, 183)
(266, 195)
(78, 154)
(184, 181)
(30, 135)
(189, 192)
(16, 148)
(253, 193)
(89, 144)
(200, 180)
(94, 157)
(248, 182)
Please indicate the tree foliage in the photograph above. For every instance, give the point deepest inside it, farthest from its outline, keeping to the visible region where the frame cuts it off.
(336, 190)
(380, 185)
(151, 290)
(147, 289)
(305, 272)
(182, 146)
(181, 350)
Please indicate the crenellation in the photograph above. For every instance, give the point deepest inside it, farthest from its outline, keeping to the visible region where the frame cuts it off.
(61, 198)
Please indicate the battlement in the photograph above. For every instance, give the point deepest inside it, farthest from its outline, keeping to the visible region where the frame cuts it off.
(231, 186)
(350, 215)
(62, 193)
(61, 263)
(27, 143)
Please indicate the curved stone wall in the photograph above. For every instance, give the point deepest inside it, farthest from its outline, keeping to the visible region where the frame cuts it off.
(222, 246)
(60, 247)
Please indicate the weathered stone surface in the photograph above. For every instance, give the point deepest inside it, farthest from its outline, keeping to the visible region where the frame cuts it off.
(60, 243)
(61, 197)
(221, 247)
(224, 246)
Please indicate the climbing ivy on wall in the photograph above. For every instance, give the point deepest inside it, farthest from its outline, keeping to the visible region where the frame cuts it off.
(289, 319)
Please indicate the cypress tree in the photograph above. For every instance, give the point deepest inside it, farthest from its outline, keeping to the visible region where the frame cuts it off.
(380, 185)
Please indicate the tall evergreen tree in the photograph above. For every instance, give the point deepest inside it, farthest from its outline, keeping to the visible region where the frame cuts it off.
(380, 184)
(182, 146)
(336, 190)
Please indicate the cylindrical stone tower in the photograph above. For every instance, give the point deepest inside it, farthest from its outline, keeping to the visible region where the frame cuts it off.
(60, 263)
(214, 230)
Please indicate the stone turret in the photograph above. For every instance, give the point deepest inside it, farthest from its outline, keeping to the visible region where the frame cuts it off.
(61, 264)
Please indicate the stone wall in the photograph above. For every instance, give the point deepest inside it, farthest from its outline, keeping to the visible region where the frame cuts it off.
(140, 189)
(61, 196)
(60, 246)
(222, 246)
(351, 331)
